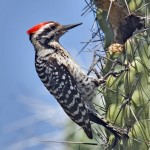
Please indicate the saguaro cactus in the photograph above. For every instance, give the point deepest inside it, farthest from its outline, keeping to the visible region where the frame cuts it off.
(127, 90)
(127, 96)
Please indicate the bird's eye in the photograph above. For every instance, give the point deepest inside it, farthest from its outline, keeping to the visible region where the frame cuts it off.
(53, 27)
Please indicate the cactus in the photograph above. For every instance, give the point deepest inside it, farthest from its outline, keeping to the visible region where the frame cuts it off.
(126, 95)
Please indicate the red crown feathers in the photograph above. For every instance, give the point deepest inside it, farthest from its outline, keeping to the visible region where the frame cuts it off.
(36, 27)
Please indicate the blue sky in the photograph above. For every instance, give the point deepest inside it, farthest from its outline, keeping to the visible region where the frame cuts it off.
(27, 110)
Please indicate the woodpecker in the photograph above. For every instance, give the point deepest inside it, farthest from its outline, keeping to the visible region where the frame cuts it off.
(64, 78)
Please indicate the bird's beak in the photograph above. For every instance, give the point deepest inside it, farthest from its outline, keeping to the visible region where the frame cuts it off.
(68, 27)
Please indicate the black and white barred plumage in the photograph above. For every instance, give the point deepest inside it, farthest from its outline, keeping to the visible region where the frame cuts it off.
(63, 77)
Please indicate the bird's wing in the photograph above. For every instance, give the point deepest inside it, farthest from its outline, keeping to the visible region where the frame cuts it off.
(63, 87)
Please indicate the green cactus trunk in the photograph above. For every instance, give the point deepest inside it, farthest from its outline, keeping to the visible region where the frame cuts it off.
(127, 96)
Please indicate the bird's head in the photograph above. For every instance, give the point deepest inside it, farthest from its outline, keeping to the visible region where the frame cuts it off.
(47, 32)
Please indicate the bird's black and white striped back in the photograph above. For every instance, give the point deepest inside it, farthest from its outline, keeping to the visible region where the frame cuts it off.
(61, 84)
